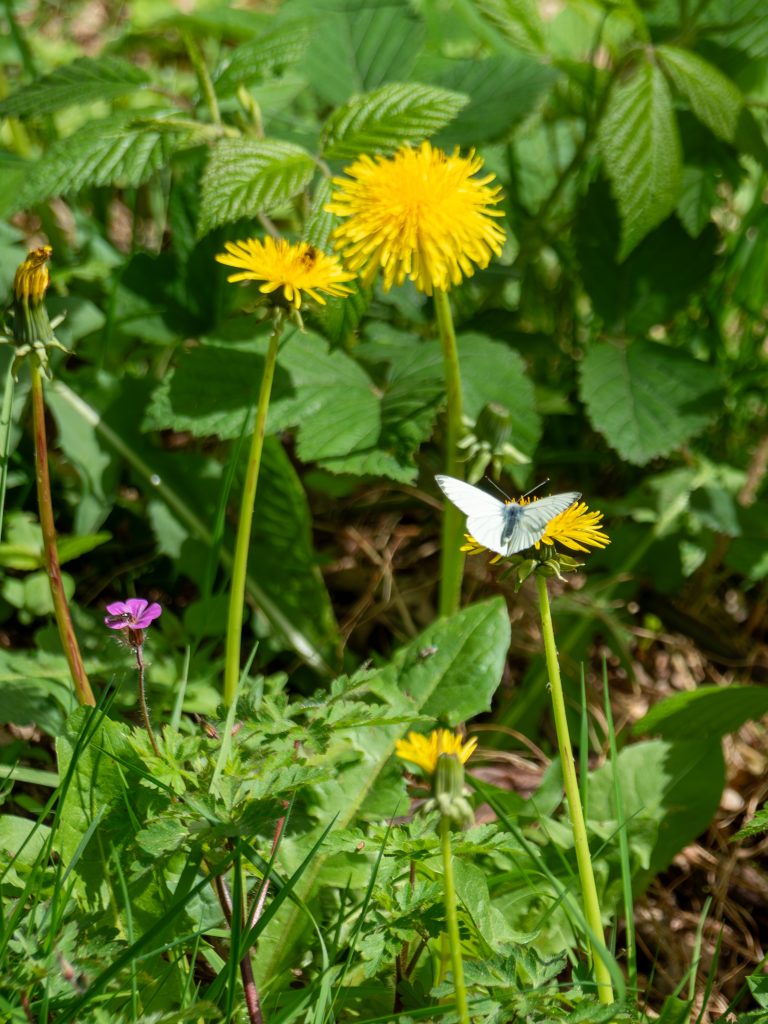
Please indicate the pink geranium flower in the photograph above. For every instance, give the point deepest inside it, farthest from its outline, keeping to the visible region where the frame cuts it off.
(135, 613)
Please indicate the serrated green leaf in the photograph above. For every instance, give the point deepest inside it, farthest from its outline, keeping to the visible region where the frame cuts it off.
(358, 45)
(113, 151)
(243, 178)
(380, 121)
(647, 399)
(519, 22)
(714, 98)
(739, 25)
(83, 81)
(342, 420)
(259, 57)
(698, 197)
(641, 150)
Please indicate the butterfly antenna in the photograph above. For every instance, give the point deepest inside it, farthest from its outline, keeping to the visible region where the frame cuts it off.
(494, 484)
(536, 488)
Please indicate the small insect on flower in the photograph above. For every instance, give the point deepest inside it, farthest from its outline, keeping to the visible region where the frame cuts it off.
(290, 270)
(133, 614)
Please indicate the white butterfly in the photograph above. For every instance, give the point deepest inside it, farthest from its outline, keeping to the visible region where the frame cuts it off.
(504, 526)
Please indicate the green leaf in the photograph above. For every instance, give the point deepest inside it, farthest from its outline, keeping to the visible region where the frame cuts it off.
(493, 372)
(358, 45)
(74, 547)
(670, 792)
(455, 683)
(738, 24)
(114, 151)
(640, 146)
(342, 420)
(83, 81)
(260, 57)
(282, 556)
(502, 91)
(380, 121)
(647, 399)
(709, 712)
(244, 178)
(519, 22)
(714, 98)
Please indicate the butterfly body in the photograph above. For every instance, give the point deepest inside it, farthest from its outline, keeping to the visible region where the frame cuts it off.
(504, 527)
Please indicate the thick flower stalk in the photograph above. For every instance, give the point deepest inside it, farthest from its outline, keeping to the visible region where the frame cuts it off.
(32, 337)
(132, 618)
(424, 216)
(286, 271)
(442, 756)
(578, 529)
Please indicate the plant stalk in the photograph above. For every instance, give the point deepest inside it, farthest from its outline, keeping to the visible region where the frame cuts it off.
(586, 874)
(138, 648)
(45, 511)
(452, 558)
(242, 544)
(452, 921)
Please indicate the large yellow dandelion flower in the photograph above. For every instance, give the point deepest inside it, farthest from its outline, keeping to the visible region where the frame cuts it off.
(294, 268)
(425, 751)
(419, 214)
(577, 527)
(31, 278)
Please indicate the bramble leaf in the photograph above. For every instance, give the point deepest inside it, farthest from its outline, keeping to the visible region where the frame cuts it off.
(83, 81)
(640, 145)
(380, 121)
(646, 399)
(714, 98)
(243, 178)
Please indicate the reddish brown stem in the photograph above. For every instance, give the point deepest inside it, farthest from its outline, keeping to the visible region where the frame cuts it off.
(45, 511)
(251, 993)
(138, 648)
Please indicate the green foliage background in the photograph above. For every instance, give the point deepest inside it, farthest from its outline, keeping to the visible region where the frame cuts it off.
(622, 331)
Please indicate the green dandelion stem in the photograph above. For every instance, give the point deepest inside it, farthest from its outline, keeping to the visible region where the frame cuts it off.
(452, 559)
(452, 921)
(586, 875)
(242, 544)
(53, 568)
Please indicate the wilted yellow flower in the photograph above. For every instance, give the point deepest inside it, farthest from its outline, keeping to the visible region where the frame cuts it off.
(294, 268)
(32, 277)
(425, 751)
(418, 214)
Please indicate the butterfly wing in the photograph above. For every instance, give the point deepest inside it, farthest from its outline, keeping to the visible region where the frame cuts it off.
(531, 520)
(485, 514)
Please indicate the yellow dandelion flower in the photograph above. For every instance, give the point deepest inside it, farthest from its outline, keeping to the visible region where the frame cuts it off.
(425, 751)
(419, 214)
(32, 277)
(577, 527)
(294, 268)
(573, 528)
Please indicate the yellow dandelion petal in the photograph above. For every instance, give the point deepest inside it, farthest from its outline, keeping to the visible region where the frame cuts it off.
(424, 751)
(292, 268)
(577, 528)
(32, 277)
(420, 214)
(474, 547)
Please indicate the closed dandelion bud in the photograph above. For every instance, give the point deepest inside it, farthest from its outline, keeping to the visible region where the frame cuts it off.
(448, 791)
(32, 329)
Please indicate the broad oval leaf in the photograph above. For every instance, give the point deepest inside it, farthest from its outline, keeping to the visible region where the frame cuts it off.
(641, 150)
(244, 177)
(647, 399)
(380, 121)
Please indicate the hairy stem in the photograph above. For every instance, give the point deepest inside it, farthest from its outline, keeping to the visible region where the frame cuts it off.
(139, 650)
(53, 568)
